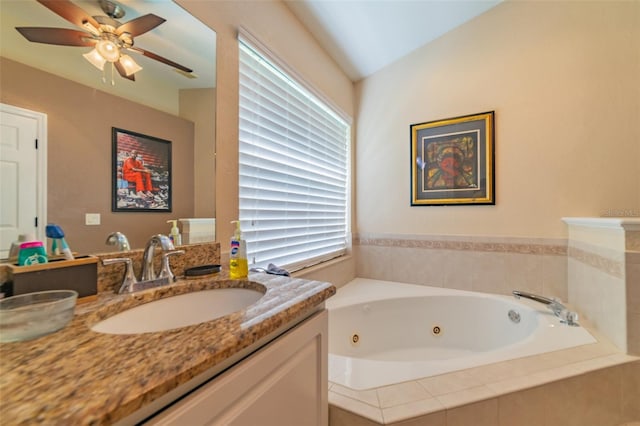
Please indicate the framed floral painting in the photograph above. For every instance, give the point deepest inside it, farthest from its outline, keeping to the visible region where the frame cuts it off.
(453, 162)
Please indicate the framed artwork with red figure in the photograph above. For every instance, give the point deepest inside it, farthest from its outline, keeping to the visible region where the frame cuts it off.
(141, 172)
(453, 161)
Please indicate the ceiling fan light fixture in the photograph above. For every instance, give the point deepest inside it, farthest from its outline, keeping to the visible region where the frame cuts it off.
(130, 66)
(108, 50)
(95, 59)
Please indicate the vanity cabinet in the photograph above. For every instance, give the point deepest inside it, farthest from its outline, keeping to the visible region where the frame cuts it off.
(283, 383)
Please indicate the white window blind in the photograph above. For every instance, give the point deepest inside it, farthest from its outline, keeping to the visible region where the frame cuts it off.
(293, 169)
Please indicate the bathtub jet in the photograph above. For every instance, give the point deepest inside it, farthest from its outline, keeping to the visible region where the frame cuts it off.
(566, 316)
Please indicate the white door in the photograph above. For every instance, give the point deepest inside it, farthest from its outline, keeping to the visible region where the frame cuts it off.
(22, 175)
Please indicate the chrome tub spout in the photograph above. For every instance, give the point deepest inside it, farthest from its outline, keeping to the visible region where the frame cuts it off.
(566, 316)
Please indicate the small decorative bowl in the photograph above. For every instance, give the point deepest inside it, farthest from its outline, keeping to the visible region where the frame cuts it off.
(32, 315)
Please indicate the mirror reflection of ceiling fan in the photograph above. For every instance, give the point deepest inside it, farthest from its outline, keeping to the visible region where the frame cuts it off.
(109, 38)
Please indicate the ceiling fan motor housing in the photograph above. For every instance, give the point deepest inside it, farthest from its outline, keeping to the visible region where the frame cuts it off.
(108, 32)
(113, 10)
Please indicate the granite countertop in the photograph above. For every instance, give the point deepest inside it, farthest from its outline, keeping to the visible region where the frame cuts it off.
(78, 376)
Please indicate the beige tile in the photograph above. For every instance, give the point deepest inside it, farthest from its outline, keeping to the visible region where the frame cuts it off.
(401, 393)
(600, 362)
(456, 269)
(524, 272)
(466, 396)
(372, 263)
(633, 333)
(433, 419)
(582, 353)
(631, 391)
(356, 407)
(538, 378)
(341, 417)
(417, 266)
(516, 384)
(633, 288)
(483, 413)
(554, 277)
(367, 396)
(524, 408)
(447, 383)
(488, 273)
(591, 399)
(411, 410)
(513, 368)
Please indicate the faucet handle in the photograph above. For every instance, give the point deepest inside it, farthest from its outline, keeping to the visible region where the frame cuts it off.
(568, 317)
(129, 279)
(166, 271)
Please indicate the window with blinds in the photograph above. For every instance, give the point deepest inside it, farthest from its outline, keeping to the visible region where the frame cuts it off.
(293, 176)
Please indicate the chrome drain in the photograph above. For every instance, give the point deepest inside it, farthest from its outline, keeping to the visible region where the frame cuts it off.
(514, 316)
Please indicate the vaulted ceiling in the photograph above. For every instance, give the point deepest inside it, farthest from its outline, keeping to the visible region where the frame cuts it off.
(364, 36)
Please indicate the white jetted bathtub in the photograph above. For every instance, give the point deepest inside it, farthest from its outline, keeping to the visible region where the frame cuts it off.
(382, 332)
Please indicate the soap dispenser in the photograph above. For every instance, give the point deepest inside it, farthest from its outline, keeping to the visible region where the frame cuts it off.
(174, 233)
(238, 266)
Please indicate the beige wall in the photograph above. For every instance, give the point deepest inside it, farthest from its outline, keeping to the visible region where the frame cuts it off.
(199, 106)
(79, 160)
(564, 81)
(275, 26)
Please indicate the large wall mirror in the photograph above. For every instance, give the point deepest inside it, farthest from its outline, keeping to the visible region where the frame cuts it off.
(83, 104)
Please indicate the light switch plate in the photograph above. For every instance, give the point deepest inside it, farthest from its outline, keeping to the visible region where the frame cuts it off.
(92, 219)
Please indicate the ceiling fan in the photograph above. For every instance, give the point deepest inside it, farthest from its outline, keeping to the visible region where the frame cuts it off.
(109, 38)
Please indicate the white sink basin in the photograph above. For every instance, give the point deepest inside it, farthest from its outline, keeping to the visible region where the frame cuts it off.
(179, 311)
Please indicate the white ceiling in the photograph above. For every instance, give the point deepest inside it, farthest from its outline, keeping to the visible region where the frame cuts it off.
(364, 36)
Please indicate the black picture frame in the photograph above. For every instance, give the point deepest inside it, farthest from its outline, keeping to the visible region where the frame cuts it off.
(453, 161)
(141, 172)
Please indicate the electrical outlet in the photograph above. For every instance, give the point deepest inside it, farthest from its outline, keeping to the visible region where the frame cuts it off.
(92, 219)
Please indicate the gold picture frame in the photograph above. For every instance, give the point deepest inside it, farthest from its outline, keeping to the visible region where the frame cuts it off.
(453, 161)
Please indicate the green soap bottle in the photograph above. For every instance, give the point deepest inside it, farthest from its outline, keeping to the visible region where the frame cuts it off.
(32, 253)
(238, 265)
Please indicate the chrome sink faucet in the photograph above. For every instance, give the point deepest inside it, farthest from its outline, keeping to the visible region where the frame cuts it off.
(148, 277)
(558, 309)
(147, 258)
(119, 240)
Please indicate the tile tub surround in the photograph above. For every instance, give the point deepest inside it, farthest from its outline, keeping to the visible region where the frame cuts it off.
(77, 376)
(604, 276)
(590, 385)
(485, 264)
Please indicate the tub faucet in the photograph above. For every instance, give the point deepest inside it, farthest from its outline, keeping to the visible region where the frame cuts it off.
(147, 258)
(118, 239)
(558, 309)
